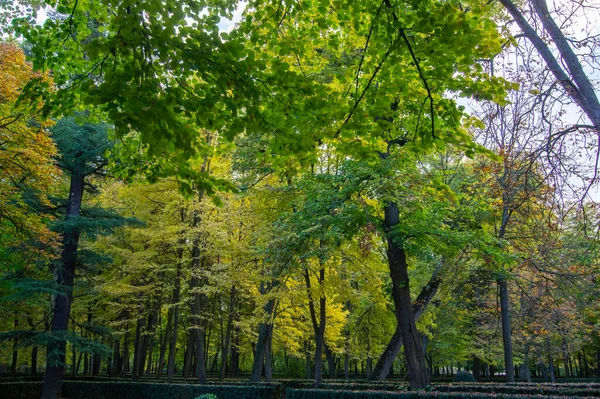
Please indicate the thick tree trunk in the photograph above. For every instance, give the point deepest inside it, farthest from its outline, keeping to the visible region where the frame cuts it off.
(269, 354)
(64, 276)
(116, 359)
(187, 360)
(201, 365)
(413, 352)
(506, 330)
(476, 368)
(96, 362)
(235, 354)
(392, 350)
(331, 372)
(263, 331)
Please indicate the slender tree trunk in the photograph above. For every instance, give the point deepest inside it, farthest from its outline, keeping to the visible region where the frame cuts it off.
(151, 338)
(125, 369)
(176, 299)
(15, 350)
(164, 343)
(506, 330)
(318, 325)
(34, 356)
(64, 276)
(413, 352)
(228, 329)
(308, 363)
(137, 350)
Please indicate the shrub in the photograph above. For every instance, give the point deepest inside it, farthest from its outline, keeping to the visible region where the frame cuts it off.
(464, 376)
(330, 394)
(21, 390)
(133, 390)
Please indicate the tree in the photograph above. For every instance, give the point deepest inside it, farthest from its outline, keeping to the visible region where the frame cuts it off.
(563, 62)
(81, 156)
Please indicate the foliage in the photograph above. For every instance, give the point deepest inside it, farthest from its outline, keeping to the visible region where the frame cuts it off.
(464, 376)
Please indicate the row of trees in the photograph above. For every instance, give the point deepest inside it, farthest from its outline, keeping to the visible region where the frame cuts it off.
(323, 198)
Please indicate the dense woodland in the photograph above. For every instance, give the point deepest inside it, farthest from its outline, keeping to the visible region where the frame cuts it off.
(305, 189)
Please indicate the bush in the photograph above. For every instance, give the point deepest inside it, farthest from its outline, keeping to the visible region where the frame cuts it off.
(330, 394)
(522, 389)
(21, 390)
(141, 390)
(464, 376)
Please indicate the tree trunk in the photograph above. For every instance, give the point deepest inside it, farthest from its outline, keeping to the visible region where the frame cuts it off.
(15, 351)
(125, 368)
(392, 350)
(164, 343)
(551, 369)
(318, 325)
(201, 365)
(413, 352)
(308, 363)
(506, 331)
(235, 354)
(151, 335)
(476, 368)
(116, 358)
(331, 372)
(187, 361)
(176, 299)
(64, 276)
(137, 350)
(269, 354)
(263, 330)
(228, 329)
(34, 356)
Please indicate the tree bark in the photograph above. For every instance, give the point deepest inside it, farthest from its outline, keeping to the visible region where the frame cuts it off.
(392, 350)
(318, 326)
(125, 368)
(64, 276)
(228, 329)
(506, 330)
(15, 350)
(176, 299)
(413, 352)
(137, 350)
(263, 331)
(164, 343)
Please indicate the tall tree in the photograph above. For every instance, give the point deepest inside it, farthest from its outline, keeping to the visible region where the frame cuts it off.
(81, 156)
